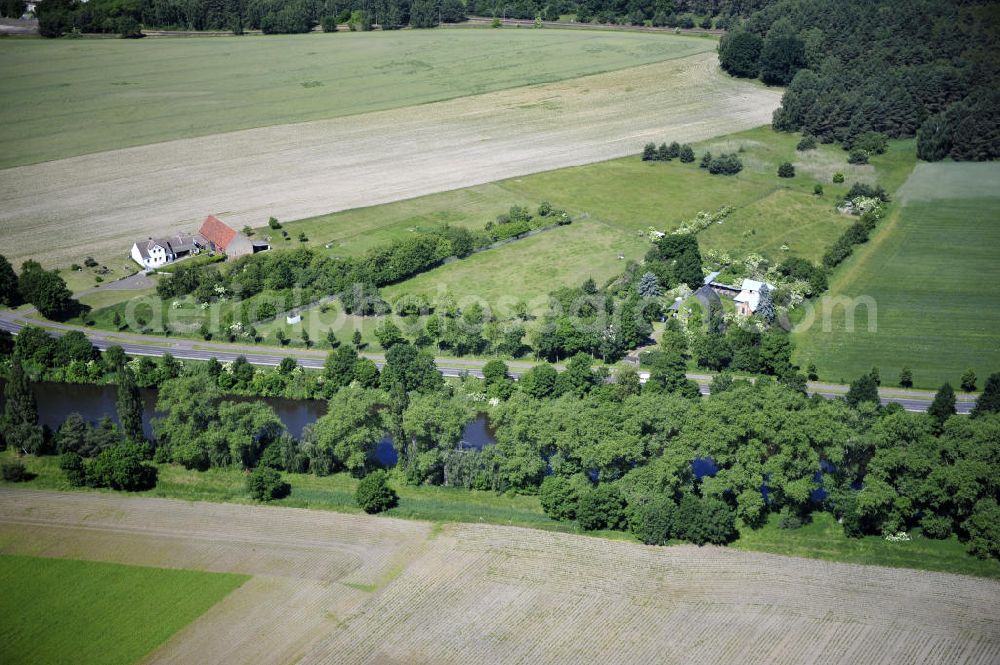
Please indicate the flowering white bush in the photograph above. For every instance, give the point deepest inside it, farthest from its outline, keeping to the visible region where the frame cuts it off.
(754, 265)
(901, 537)
(863, 204)
(717, 257)
(703, 220)
(683, 291)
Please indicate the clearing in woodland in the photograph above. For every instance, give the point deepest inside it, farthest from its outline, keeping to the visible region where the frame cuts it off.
(326, 585)
(59, 212)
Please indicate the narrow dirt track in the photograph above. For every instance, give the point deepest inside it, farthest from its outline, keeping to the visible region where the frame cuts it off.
(99, 204)
(491, 594)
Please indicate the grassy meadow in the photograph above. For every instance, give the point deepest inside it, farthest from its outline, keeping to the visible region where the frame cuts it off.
(614, 203)
(82, 612)
(531, 267)
(821, 539)
(72, 97)
(930, 270)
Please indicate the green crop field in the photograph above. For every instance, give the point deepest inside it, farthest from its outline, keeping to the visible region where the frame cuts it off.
(79, 612)
(930, 272)
(75, 97)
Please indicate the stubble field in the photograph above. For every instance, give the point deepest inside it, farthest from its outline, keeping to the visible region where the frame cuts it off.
(355, 589)
(99, 204)
(68, 98)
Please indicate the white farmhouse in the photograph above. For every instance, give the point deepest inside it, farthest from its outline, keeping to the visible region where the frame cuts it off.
(153, 253)
(749, 296)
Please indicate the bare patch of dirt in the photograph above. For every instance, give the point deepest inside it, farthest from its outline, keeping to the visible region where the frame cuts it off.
(99, 204)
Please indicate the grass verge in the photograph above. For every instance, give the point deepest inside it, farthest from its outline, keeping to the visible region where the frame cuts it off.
(821, 539)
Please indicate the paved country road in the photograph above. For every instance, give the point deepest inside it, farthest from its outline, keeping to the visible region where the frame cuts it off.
(190, 349)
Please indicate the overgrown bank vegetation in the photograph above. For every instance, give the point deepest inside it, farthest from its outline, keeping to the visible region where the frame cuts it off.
(652, 459)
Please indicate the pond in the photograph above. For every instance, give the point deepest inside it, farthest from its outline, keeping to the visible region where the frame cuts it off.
(93, 402)
(57, 400)
(478, 433)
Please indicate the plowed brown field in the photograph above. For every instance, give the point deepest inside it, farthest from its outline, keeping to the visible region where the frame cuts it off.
(353, 589)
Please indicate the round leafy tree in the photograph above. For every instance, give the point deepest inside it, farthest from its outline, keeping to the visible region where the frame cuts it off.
(265, 484)
(786, 170)
(374, 494)
(653, 521)
(601, 508)
(559, 497)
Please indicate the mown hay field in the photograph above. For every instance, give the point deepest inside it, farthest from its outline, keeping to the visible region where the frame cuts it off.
(929, 273)
(616, 203)
(81, 612)
(68, 98)
(98, 204)
(357, 589)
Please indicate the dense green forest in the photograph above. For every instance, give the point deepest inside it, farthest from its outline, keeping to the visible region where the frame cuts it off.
(897, 68)
(122, 16)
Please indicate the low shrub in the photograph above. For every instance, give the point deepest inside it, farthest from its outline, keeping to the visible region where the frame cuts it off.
(121, 467)
(726, 164)
(71, 465)
(14, 471)
(601, 508)
(265, 484)
(374, 495)
(857, 157)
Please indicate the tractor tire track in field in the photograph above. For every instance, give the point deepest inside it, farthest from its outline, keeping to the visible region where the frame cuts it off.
(98, 204)
(331, 587)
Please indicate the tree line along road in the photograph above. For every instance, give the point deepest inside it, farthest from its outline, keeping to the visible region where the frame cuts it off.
(188, 349)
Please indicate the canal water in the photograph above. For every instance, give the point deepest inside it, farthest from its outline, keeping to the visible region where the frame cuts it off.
(57, 400)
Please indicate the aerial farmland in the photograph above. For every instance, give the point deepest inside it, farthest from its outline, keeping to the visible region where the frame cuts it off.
(424, 331)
